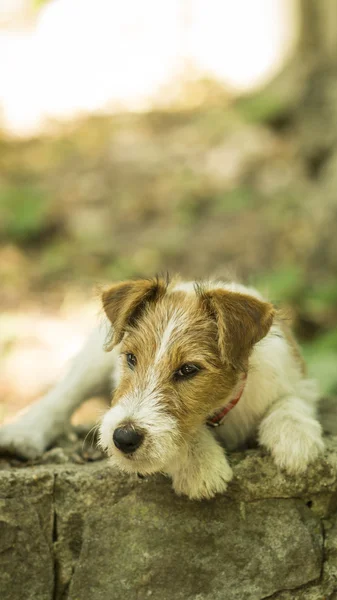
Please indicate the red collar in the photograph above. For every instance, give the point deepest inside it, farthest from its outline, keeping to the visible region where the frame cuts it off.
(216, 419)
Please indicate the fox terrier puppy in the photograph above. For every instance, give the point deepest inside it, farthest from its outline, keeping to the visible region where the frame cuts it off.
(197, 367)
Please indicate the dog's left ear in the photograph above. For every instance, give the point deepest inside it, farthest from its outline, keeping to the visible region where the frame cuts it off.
(242, 321)
(123, 303)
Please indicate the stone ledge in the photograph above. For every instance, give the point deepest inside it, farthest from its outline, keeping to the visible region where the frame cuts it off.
(87, 532)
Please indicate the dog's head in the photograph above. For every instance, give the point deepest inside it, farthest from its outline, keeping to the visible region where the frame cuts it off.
(182, 351)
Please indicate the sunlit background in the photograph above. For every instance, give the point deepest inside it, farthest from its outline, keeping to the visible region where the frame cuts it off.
(65, 58)
(140, 137)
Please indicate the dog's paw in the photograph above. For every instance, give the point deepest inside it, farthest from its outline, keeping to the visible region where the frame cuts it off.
(205, 482)
(17, 441)
(293, 451)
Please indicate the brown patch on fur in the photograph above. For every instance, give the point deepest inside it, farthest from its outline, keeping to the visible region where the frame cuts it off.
(193, 339)
(124, 302)
(165, 329)
(242, 321)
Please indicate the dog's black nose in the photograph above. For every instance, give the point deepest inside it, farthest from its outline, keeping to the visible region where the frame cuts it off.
(127, 439)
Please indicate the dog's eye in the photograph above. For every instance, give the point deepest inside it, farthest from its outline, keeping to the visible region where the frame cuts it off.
(131, 360)
(186, 371)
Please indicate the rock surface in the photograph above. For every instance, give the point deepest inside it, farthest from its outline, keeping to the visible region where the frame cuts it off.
(75, 532)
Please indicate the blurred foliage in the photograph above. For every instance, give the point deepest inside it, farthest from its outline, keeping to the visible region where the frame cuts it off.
(282, 286)
(24, 212)
(320, 356)
(262, 107)
(217, 189)
(235, 200)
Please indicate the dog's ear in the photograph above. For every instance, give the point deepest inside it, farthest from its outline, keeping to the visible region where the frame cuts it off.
(124, 302)
(241, 320)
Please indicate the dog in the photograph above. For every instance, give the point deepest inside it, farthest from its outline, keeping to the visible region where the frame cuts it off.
(197, 368)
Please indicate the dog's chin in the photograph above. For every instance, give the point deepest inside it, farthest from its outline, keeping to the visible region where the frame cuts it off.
(132, 463)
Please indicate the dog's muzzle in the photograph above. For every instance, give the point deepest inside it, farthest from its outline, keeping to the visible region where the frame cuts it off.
(127, 439)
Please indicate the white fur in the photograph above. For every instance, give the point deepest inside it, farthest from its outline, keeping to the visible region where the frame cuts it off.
(272, 373)
(144, 410)
(232, 286)
(278, 407)
(291, 433)
(200, 468)
(168, 335)
(89, 374)
(184, 286)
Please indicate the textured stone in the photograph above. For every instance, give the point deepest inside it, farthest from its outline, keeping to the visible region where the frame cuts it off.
(154, 545)
(70, 532)
(26, 535)
(326, 587)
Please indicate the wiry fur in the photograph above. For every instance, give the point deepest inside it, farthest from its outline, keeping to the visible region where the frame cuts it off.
(227, 330)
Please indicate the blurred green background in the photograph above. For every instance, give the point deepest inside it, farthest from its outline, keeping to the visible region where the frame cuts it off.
(216, 183)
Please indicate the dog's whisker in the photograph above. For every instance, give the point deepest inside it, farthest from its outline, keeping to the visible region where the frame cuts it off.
(195, 366)
(91, 432)
(186, 350)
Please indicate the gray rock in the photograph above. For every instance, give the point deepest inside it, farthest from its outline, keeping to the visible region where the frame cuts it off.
(162, 547)
(26, 535)
(73, 532)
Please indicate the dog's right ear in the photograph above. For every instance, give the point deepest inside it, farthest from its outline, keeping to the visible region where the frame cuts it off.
(123, 303)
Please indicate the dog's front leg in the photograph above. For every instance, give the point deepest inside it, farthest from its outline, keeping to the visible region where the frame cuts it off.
(200, 470)
(291, 433)
(36, 429)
